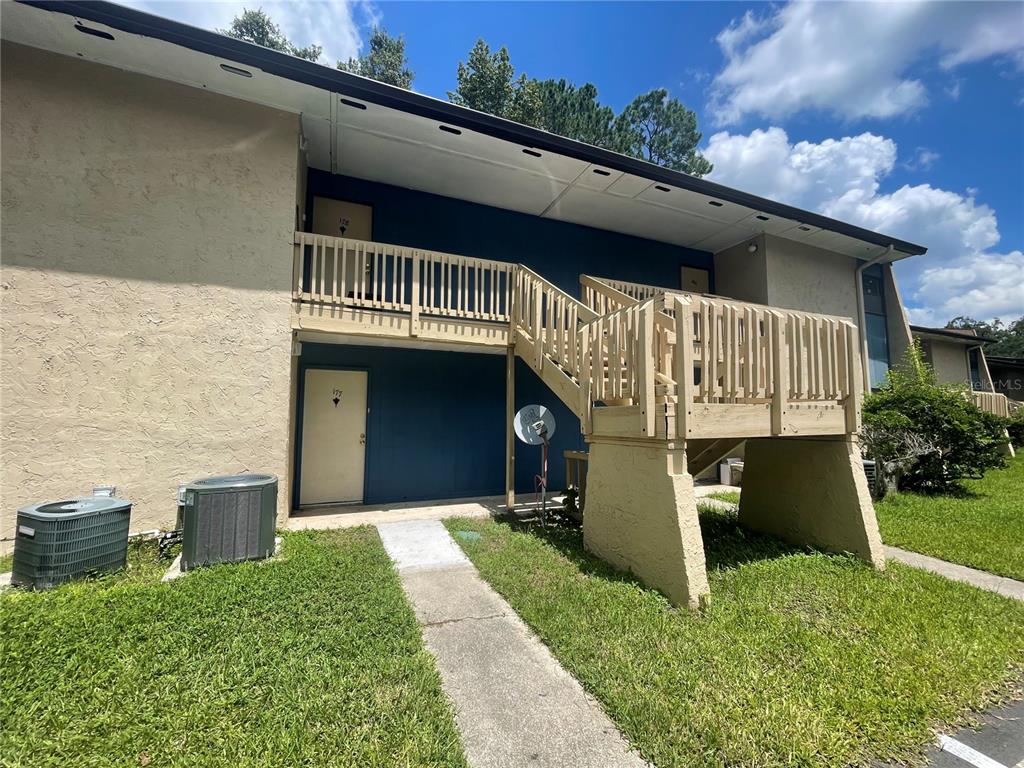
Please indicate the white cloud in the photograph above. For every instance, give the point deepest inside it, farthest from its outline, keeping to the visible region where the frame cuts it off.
(841, 178)
(804, 174)
(991, 283)
(854, 59)
(333, 24)
(922, 160)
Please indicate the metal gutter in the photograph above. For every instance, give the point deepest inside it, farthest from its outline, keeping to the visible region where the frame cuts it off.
(356, 87)
(948, 334)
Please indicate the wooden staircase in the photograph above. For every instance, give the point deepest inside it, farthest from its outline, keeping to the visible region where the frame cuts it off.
(631, 361)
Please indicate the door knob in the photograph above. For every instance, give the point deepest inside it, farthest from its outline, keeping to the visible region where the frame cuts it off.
(362, 439)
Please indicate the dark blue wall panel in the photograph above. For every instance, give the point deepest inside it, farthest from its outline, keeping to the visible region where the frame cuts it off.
(555, 249)
(530, 389)
(436, 426)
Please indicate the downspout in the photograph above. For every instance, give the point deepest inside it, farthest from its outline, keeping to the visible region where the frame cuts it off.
(881, 258)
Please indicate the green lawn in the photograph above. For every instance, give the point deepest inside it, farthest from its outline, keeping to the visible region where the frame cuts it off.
(983, 529)
(314, 659)
(732, 497)
(801, 658)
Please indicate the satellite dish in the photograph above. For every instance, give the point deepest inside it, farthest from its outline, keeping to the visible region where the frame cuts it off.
(534, 424)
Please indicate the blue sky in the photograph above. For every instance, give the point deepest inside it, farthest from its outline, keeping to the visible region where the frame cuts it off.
(903, 117)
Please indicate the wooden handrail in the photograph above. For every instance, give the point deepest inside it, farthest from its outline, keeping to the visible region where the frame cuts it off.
(665, 354)
(993, 402)
(359, 273)
(586, 314)
(601, 297)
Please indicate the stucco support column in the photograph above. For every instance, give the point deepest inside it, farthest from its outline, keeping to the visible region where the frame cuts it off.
(641, 516)
(811, 491)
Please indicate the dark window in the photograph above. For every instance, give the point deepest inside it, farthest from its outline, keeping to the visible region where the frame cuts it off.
(876, 326)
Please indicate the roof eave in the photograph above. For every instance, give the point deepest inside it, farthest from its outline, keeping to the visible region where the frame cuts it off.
(316, 75)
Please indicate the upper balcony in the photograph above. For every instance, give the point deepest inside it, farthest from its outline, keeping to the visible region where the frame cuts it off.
(631, 361)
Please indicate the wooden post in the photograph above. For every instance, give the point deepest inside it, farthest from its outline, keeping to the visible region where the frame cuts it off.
(683, 363)
(538, 325)
(414, 318)
(855, 381)
(297, 255)
(780, 370)
(646, 368)
(510, 435)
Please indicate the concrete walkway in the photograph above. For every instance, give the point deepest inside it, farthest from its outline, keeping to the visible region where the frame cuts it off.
(514, 704)
(980, 579)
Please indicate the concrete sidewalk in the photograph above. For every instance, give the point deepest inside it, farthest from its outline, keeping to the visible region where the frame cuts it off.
(514, 704)
(980, 579)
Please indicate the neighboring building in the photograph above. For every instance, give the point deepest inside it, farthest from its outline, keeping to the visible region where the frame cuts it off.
(1007, 375)
(220, 258)
(956, 354)
(958, 357)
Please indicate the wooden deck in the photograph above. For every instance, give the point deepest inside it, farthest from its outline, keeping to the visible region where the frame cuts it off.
(631, 361)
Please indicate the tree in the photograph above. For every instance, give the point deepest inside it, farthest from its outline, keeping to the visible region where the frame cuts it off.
(653, 127)
(1009, 339)
(486, 82)
(664, 132)
(257, 27)
(961, 439)
(576, 113)
(385, 62)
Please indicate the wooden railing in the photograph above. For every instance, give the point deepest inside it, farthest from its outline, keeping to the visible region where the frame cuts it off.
(685, 365)
(635, 291)
(747, 353)
(551, 319)
(357, 273)
(717, 352)
(602, 298)
(993, 402)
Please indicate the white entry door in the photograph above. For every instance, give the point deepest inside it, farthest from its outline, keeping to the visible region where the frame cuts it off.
(333, 437)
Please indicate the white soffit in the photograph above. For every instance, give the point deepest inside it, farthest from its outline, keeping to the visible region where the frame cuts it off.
(598, 178)
(318, 133)
(150, 56)
(387, 145)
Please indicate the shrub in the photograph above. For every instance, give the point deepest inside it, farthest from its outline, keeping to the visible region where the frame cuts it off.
(1015, 426)
(963, 441)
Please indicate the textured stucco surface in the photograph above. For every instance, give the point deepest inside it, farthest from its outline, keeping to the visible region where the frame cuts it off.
(950, 361)
(810, 492)
(810, 279)
(641, 517)
(740, 274)
(145, 285)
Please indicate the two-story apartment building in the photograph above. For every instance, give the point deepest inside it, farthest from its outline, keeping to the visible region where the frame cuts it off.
(958, 357)
(220, 258)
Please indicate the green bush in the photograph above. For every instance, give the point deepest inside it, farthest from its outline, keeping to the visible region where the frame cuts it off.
(964, 440)
(1015, 426)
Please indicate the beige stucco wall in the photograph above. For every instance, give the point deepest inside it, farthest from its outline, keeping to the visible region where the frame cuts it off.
(810, 279)
(811, 492)
(949, 359)
(641, 516)
(146, 263)
(740, 274)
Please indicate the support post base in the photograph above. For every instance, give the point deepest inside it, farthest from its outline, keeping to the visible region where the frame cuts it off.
(641, 516)
(811, 492)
